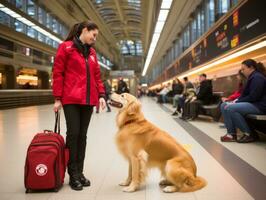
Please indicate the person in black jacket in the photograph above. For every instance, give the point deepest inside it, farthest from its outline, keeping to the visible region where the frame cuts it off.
(203, 97)
(122, 86)
(251, 101)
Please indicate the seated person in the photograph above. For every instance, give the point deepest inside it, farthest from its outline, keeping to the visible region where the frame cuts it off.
(251, 101)
(162, 94)
(203, 97)
(180, 100)
(177, 89)
(242, 80)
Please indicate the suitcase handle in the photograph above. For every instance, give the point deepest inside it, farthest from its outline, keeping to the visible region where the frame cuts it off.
(57, 123)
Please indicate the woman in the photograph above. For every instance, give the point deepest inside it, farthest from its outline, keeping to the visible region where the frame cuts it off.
(77, 87)
(177, 89)
(236, 94)
(251, 101)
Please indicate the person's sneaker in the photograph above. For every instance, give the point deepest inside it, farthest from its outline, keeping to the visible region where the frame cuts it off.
(175, 113)
(222, 126)
(246, 139)
(191, 118)
(183, 118)
(228, 138)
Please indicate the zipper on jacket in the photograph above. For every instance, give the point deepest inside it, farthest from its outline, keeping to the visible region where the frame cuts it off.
(88, 81)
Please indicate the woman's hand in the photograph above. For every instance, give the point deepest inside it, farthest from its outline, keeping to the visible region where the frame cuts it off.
(224, 99)
(57, 105)
(102, 103)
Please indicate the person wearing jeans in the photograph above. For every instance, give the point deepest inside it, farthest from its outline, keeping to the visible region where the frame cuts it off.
(251, 101)
(234, 118)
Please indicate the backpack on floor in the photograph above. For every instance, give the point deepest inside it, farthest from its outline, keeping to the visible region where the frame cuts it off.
(46, 160)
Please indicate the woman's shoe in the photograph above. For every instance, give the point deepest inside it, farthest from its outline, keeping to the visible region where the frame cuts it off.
(75, 183)
(246, 139)
(175, 113)
(84, 181)
(228, 138)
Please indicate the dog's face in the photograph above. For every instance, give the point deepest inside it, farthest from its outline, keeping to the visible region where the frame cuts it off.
(125, 102)
(122, 100)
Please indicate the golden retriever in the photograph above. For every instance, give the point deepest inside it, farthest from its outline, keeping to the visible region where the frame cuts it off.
(145, 145)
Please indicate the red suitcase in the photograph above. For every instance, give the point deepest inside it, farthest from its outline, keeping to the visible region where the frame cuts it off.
(46, 160)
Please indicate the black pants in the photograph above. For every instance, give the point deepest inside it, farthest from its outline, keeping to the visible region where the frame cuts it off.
(77, 122)
(194, 108)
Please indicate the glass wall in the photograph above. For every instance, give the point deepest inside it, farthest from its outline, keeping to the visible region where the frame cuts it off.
(39, 14)
(129, 47)
(210, 13)
(204, 17)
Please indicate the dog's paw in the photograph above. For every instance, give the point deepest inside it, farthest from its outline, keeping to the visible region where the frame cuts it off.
(125, 183)
(130, 189)
(165, 182)
(170, 189)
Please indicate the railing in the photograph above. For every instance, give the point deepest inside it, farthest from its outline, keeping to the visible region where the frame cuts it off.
(27, 97)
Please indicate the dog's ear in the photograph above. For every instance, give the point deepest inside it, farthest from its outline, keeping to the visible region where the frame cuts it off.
(133, 108)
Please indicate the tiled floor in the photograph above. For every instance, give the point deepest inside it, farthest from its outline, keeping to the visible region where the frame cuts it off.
(104, 166)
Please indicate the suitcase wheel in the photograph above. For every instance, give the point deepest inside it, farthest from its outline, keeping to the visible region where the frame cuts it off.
(27, 191)
(56, 190)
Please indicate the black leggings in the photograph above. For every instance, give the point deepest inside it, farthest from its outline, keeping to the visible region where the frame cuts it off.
(77, 122)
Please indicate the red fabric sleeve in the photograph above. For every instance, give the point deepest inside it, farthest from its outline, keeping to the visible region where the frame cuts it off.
(58, 71)
(97, 74)
(234, 96)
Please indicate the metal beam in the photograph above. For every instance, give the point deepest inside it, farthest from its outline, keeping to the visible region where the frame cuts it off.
(121, 16)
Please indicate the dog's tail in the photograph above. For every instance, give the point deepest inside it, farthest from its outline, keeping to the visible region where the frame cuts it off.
(143, 157)
(193, 184)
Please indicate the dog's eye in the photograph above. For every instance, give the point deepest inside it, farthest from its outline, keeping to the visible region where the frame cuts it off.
(122, 95)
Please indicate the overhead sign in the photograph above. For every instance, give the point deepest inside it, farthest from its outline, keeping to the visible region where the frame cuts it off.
(122, 73)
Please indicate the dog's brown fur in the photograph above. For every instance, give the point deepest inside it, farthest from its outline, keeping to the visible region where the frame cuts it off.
(144, 145)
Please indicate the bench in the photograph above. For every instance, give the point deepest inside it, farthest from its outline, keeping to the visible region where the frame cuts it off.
(257, 117)
(257, 122)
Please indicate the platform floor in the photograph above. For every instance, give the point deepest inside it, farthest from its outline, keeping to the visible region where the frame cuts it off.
(233, 171)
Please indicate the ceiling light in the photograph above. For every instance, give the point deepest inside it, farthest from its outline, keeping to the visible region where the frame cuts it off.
(165, 6)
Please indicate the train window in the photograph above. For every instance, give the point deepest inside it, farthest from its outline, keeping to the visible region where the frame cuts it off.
(41, 37)
(31, 8)
(210, 13)
(19, 26)
(193, 30)
(20, 4)
(41, 15)
(223, 6)
(55, 25)
(5, 19)
(49, 41)
(48, 21)
(31, 32)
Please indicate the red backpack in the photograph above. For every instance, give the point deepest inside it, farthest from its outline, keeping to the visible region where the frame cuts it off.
(46, 160)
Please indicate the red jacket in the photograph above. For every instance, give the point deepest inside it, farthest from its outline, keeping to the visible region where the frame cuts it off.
(71, 75)
(236, 94)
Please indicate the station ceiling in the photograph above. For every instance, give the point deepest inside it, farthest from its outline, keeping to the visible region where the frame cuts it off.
(125, 20)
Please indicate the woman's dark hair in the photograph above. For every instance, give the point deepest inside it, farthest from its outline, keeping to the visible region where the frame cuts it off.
(77, 29)
(243, 79)
(250, 63)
